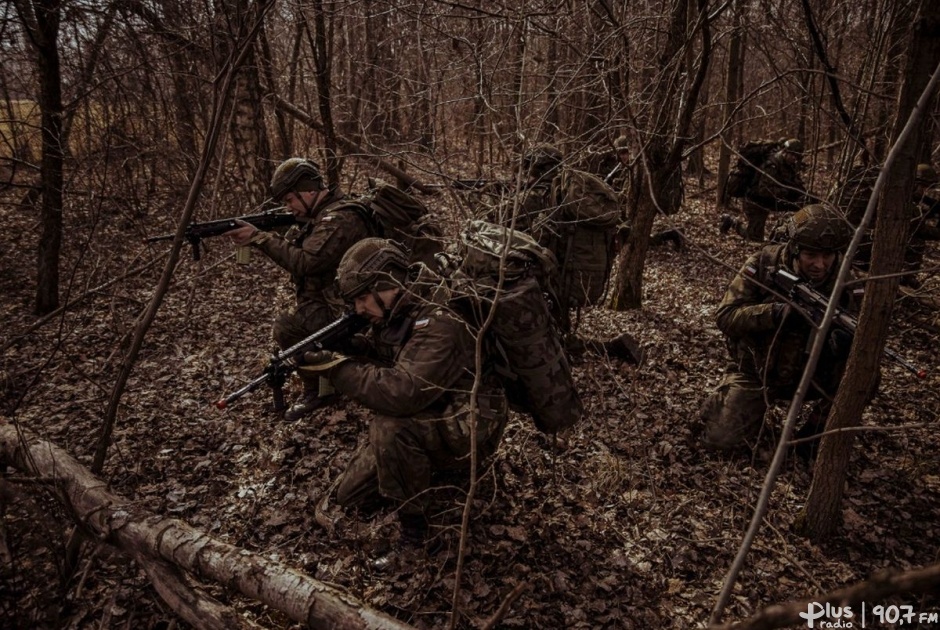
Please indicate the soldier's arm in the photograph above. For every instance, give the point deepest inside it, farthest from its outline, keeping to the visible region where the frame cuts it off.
(322, 250)
(437, 355)
(746, 307)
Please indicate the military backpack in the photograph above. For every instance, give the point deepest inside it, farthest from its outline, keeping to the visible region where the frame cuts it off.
(397, 215)
(751, 158)
(504, 277)
(580, 230)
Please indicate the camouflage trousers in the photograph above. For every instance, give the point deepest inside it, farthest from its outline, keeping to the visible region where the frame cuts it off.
(298, 324)
(756, 222)
(734, 413)
(402, 453)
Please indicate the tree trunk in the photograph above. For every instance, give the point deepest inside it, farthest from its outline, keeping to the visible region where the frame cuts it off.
(41, 21)
(118, 522)
(322, 55)
(665, 138)
(284, 148)
(732, 95)
(249, 137)
(824, 504)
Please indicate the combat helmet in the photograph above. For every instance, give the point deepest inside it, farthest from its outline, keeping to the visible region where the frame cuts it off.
(926, 175)
(793, 145)
(371, 264)
(818, 227)
(541, 158)
(295, 175)
(622, 143)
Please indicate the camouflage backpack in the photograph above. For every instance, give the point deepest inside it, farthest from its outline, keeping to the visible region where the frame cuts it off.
(580, 231)
(395, 214)
(751, 157)
(523, 337)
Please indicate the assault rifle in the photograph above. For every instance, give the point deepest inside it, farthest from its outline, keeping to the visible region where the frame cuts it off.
(195, 232)
(493, 187)
(286, 361)
(610, 176)
(813, 304)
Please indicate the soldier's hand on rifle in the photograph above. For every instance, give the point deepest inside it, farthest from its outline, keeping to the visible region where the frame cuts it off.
(243, 234)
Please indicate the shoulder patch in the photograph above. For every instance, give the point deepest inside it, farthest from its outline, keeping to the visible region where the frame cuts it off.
(750, 270)
(421, 323)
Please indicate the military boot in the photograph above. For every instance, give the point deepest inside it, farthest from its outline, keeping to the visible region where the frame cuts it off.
(412, 545)
(725, 223)
(315, 395)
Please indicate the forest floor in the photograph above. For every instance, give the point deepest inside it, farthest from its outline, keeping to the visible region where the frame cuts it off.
(627, 523)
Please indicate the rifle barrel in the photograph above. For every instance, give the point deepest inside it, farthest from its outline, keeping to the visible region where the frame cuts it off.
(808, 297)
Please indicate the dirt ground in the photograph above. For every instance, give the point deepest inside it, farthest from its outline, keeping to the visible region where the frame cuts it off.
(626, 523)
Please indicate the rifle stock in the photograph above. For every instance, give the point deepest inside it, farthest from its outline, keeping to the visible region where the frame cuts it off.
(283, 363)
(195, 232)
(813, 304)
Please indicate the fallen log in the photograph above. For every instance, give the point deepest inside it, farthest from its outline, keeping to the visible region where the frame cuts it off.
(881, 585)
(118, 522)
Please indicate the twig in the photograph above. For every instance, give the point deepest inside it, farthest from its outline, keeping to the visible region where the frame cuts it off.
(880, 586)
(902, 427)
(504, 607)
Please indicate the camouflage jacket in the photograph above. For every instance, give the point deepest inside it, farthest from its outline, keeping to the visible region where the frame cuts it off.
(759, 345)
(311, 251)
(426, 358)
(778, 187)
(532, 200)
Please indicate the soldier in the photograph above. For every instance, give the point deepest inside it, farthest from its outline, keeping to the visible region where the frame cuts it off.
(619, 177)
(778, 188)
(540, 165)
(768, 339)
(924, 226)
(418, 387)
(310, 252)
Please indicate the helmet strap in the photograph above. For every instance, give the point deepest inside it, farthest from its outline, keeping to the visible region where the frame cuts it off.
(386, 308)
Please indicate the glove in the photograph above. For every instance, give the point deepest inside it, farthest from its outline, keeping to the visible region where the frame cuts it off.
(840, 342)
(321, 361)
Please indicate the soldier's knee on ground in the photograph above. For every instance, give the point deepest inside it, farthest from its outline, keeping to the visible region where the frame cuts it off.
(732, 415)
(359, 484)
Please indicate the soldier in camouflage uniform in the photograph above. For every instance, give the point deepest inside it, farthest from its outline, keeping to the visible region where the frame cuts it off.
(310, 252)
(418, 386)
(779, 188)
(540, 164)
(619, 177)
(768, 339)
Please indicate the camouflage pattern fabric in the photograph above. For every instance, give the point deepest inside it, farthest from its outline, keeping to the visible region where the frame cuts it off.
(542, 384)
(778, 188)
(310, 252)
(532, 201)
(767, 357)
(420, 393)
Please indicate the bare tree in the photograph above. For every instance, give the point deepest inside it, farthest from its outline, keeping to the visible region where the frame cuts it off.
(824, 504)
(40, 19)
(663, 141)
